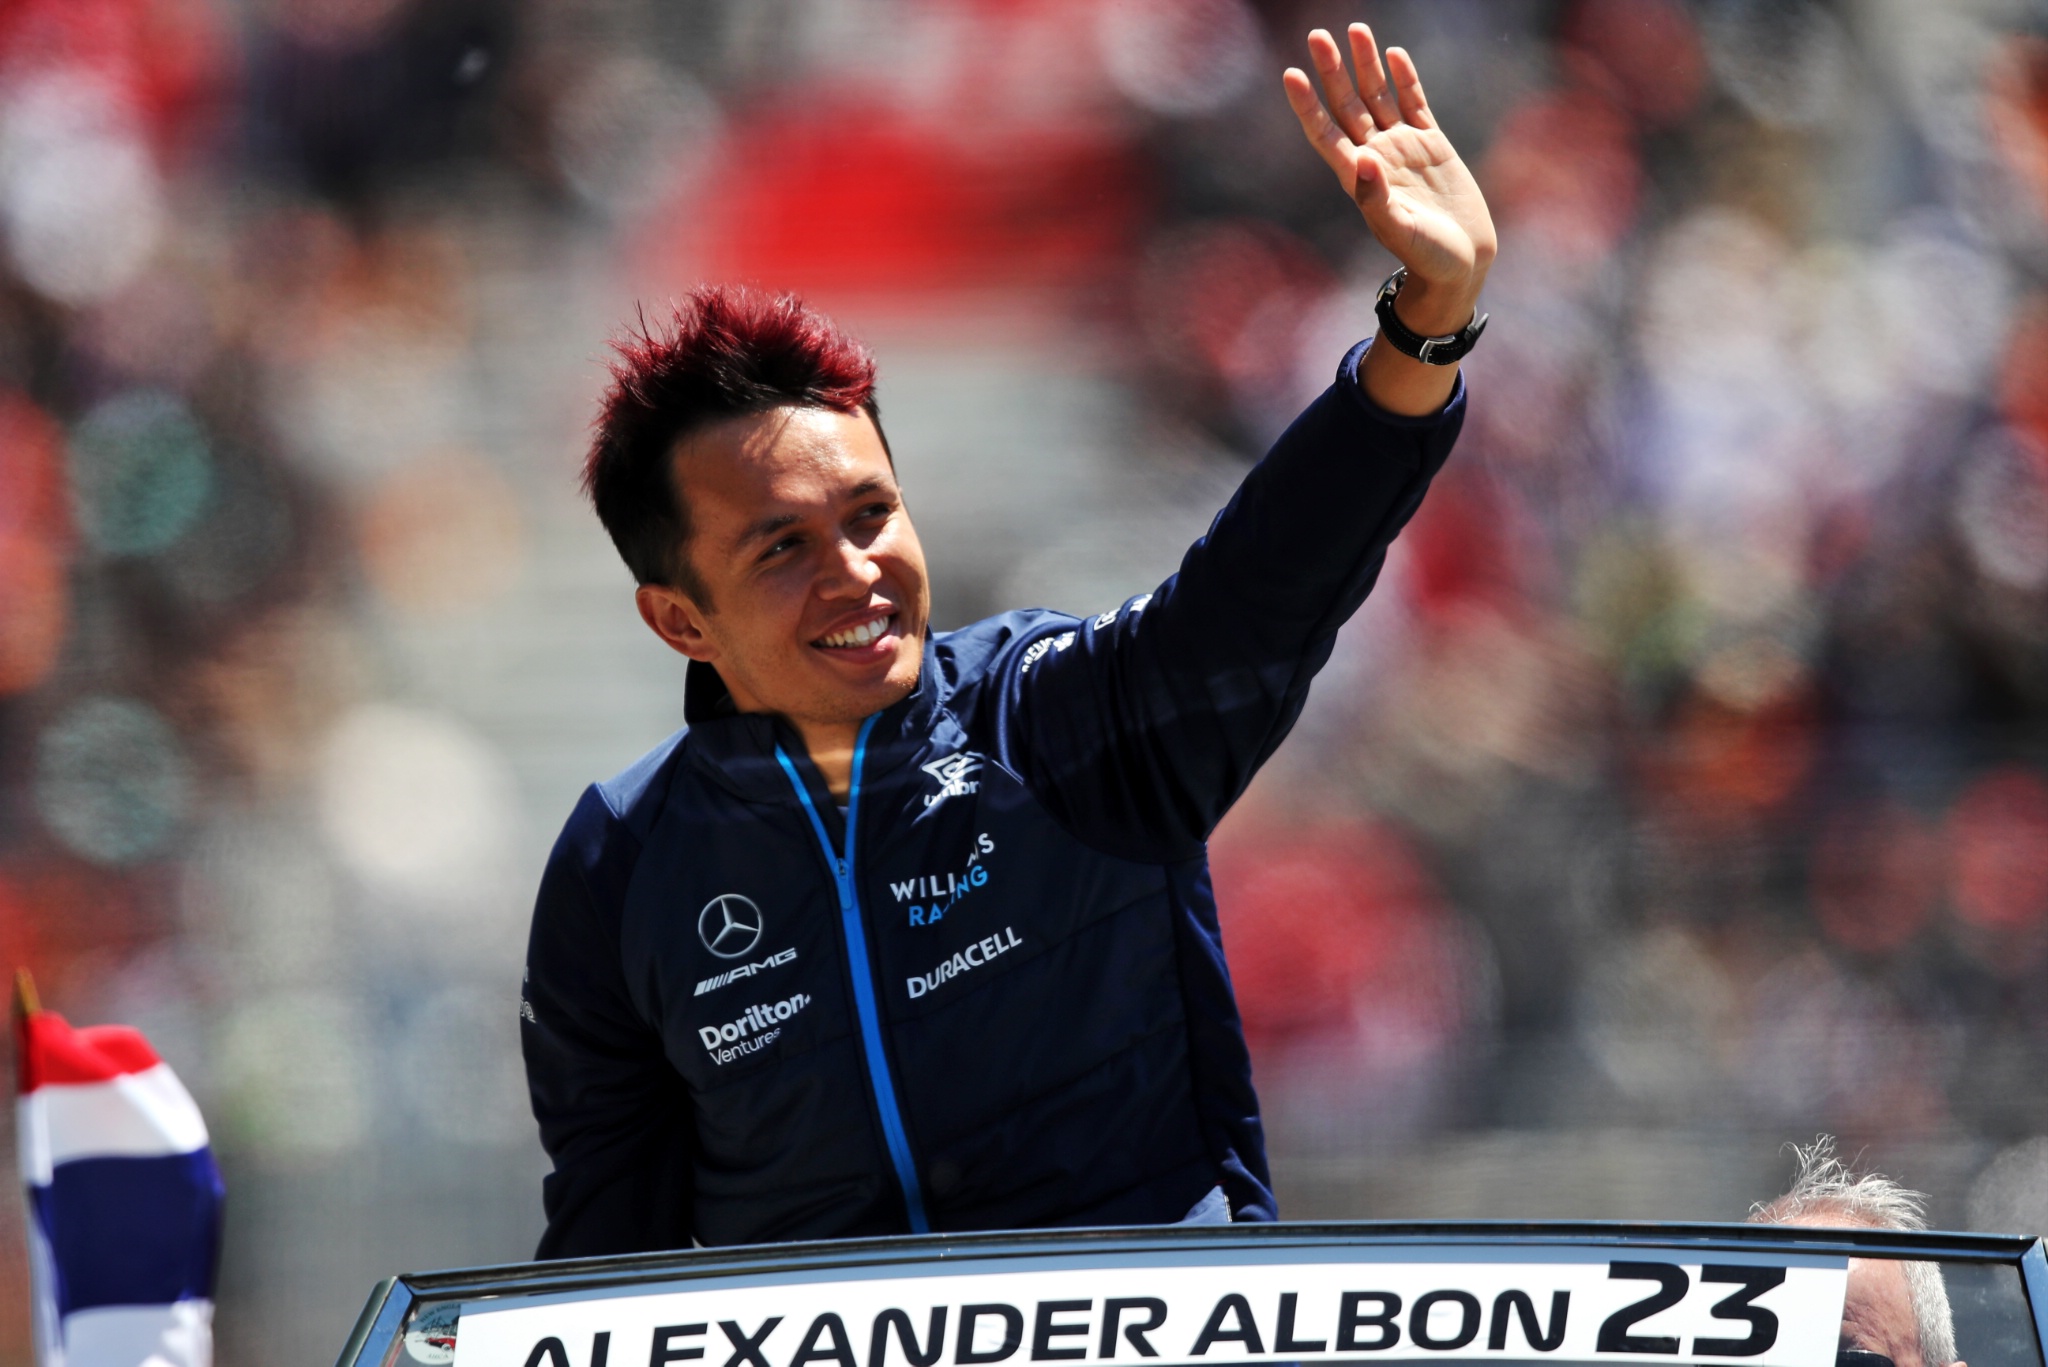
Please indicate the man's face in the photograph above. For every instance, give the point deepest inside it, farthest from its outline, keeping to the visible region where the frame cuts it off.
(1877, 1312)
(816, 581)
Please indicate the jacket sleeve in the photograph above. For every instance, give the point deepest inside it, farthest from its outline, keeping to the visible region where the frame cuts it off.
(1139, 728)
(614, 1117)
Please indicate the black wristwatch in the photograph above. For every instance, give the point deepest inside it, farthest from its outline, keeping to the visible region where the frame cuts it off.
(1446, 350)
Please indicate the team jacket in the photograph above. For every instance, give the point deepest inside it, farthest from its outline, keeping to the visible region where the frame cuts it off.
(994, 994)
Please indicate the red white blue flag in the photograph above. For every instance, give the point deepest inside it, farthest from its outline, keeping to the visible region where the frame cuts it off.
(124, 1200)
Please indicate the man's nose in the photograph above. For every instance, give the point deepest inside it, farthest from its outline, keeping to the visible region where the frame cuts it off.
(850, 571)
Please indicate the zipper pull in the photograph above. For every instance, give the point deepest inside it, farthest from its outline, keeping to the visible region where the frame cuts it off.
(841, 866)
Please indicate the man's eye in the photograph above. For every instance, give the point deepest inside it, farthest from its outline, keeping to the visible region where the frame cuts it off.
(874, 510)
(788, 543)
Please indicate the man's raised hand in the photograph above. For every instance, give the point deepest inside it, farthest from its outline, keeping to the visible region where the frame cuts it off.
(1417, 197)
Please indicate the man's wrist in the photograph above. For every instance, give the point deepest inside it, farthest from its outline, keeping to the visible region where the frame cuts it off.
(1436, 310)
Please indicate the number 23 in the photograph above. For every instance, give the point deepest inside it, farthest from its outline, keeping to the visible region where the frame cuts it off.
(1672, 1284)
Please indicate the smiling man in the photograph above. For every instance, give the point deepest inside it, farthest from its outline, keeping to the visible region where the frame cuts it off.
(913, 931)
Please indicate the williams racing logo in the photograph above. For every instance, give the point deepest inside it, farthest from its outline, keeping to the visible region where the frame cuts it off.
(754, 1031)
(955, 775)
(935, 893)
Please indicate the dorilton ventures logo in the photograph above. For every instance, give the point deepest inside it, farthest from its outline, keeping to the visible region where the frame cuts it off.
(755, 1029)
(967, 960)
(733, 975)
(730, 925)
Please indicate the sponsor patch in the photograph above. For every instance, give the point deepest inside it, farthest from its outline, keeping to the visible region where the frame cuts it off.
(754, 1030)
(1042, 647)
(1134, 607)
(932, 895)
(955, 775)
(976, 955)
(730, 925)
(733, 975)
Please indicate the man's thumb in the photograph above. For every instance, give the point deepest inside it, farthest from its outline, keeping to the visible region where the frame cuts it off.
(1369, 186)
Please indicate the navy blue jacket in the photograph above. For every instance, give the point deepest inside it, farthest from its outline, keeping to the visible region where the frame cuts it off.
(994, 994)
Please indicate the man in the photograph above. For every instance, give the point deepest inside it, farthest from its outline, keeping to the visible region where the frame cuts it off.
(1896, 1310)
(913, 932)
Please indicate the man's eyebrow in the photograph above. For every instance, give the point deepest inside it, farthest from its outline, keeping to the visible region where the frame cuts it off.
(767, 526)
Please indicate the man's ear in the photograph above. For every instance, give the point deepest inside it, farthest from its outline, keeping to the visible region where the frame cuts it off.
(672, 616)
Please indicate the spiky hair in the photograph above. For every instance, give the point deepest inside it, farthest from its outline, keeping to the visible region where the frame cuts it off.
(725, 351)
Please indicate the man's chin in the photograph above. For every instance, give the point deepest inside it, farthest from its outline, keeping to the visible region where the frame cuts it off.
(841, 700)
(897, 685)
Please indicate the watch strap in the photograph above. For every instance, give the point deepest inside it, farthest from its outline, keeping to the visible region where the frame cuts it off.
(1448, 349)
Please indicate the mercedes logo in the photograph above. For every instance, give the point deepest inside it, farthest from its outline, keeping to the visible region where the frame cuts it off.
(729, 925)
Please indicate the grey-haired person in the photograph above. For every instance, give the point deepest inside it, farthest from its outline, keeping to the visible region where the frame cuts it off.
(1895, 1309)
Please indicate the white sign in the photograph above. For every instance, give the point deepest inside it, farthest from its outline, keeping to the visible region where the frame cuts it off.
(1577, 1305)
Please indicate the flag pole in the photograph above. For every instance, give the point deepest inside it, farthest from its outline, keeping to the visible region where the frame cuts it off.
(26, 1004)
(46, 1329)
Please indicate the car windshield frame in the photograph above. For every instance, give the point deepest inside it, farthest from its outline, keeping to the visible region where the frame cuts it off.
(378, 1337)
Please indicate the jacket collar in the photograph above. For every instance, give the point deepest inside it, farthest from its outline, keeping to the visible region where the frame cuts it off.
(738, 748)
(705, 696)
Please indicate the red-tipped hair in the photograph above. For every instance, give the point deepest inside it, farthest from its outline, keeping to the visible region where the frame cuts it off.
(726, 351)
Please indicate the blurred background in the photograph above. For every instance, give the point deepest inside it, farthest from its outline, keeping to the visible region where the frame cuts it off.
(1682, 791)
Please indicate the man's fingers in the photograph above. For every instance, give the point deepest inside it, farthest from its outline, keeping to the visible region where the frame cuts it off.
(1372, 82)
(1408, 88)
(1322, 134)
(1345, 106)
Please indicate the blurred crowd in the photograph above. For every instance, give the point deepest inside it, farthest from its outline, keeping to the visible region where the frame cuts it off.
(1686, 777)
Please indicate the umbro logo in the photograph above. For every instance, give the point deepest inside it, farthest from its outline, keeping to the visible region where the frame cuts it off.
(730, 925)
(955, 775)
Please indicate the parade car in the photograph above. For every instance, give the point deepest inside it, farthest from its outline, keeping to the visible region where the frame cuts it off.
(1466, 1292)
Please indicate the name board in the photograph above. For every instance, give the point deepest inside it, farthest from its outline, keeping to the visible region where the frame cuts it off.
(1172, 1310)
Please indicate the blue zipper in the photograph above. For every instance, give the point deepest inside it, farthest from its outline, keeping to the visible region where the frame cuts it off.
(864, 1004)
